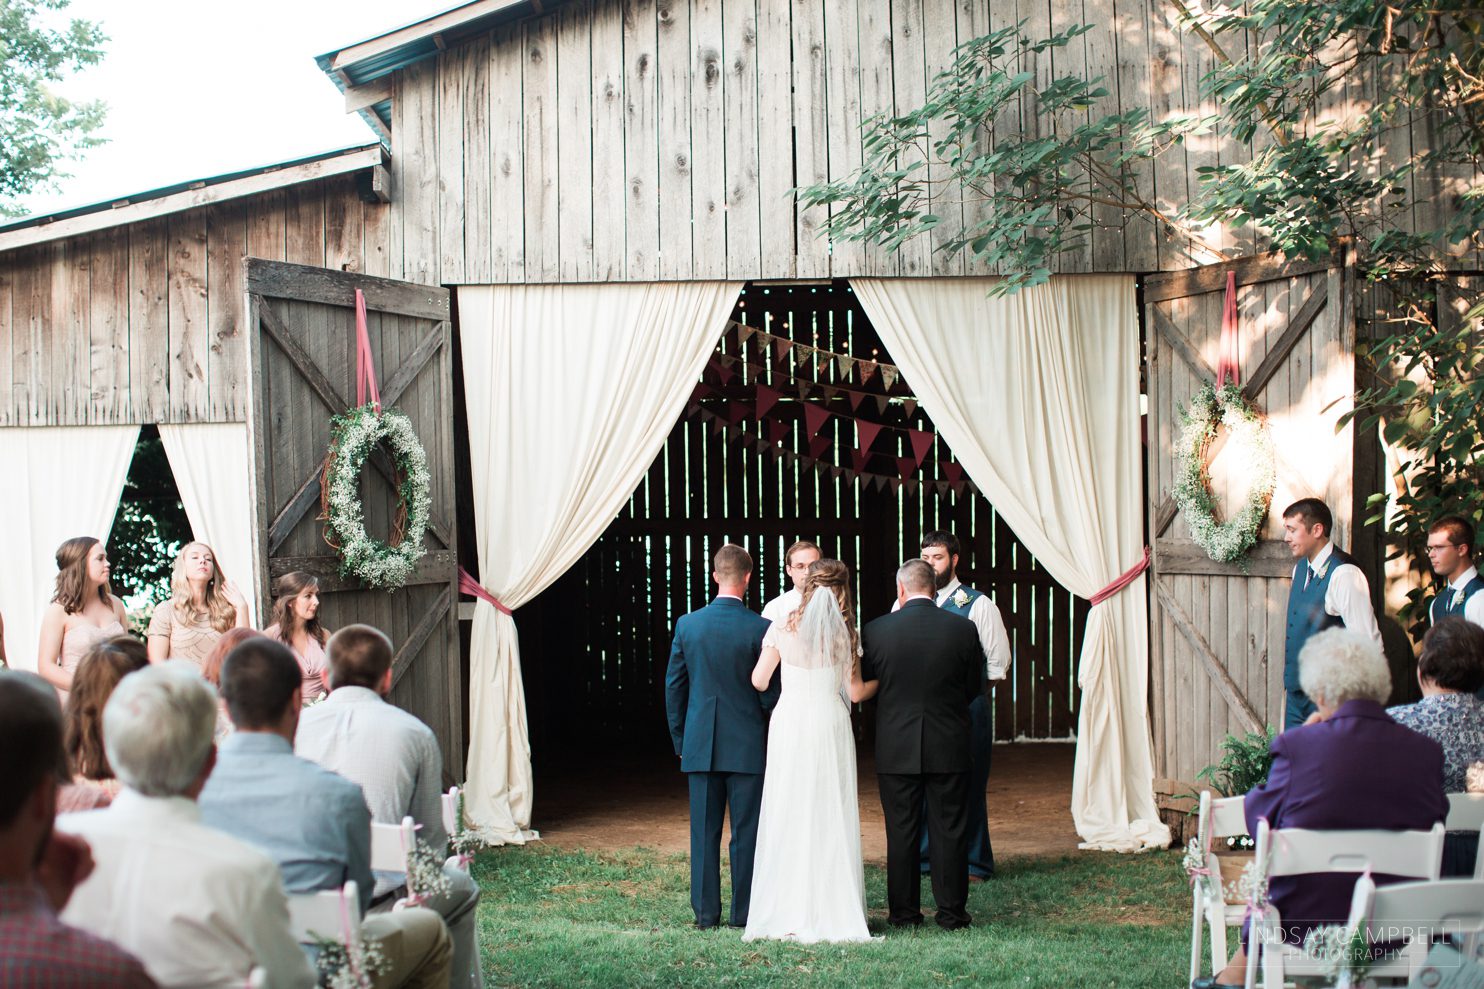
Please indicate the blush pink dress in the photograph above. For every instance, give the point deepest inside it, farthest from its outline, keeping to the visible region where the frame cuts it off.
(312, 664)
(78, 640)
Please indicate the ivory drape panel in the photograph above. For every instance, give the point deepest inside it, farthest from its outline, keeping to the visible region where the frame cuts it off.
(213, 467)
(571, 392)
(65, 481)
(1038, 395)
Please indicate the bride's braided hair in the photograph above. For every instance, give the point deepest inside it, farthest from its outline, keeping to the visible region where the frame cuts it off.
(833, 576)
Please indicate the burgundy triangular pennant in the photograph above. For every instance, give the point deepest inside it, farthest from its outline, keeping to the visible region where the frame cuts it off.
(835, 472)
(910, 404)
(865, 433)
(815, 416)
(858, 459)
(867, 368)
(691, 408)
(954, 471)
(766, 399)
(958, 487)
(737, 411)
(716, 425)
(723, 372)
(855, 399)
(818, 445)
(922, 442)
(749, 438)
(881, 403)
(905, 466)
(700, 391)
(777, 430)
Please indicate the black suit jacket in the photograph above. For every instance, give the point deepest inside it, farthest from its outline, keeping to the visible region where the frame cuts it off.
(930, 665)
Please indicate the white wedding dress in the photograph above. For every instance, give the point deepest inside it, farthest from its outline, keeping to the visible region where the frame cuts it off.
(807, 881)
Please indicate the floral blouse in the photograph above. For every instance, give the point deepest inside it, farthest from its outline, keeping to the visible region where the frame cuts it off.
(1454, 721)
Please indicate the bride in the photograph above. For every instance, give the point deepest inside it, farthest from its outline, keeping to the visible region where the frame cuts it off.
(808, 883)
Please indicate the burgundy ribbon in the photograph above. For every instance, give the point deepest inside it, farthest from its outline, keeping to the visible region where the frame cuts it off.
(1124, 579)
(1228, 360)
(468, 585)
(365, 364)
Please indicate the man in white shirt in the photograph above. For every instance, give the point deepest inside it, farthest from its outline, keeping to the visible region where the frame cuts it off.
(199, 908)
(1328, 589)
(394, 758)
(940, 551)
(1450, 550)
(796, 563)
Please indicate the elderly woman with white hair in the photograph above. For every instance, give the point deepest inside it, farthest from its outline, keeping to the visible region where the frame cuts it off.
(1350, 768)
(215, 907)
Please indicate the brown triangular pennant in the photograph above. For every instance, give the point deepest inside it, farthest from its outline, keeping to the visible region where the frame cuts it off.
(835, 472)
(910, 404)
(716, 425)
(802, 353)
(855, 399)
(881, 403)
(802, 387)
(782, 345)
(911, 485)
(867, 368)
(830, 391)
(845, 364)
(896, 484)
(744, 331)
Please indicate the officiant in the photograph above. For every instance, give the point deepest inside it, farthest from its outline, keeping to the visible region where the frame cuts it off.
(940, 551)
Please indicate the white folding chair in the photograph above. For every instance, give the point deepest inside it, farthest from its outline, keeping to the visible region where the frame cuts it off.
(1415, 913)
(451, 811)
(1466, 813)
(392, 845)
(1220, 817)
(1297, 851)
(328, 913)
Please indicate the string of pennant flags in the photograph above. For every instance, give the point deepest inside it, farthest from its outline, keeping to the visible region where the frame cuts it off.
(801, 353)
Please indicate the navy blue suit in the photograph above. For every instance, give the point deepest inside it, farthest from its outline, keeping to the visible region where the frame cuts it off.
(718, 725)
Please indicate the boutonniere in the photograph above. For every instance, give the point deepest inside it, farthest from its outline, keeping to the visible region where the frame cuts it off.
(1457, 597)
(1322, 569)
(960, 598)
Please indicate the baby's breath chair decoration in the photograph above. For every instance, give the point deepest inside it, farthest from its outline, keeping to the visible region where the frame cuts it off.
(354, 435)
(353, 963)
(426, 879)
(1251, 445)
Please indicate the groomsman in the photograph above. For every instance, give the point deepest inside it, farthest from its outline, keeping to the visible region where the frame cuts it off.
(796, 565)
(940, 551)
(1328, 589)
(1450, 550)
(720, 734)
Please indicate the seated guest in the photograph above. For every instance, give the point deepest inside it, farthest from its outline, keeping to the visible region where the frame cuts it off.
(1450, 672)
(211, 672)
(314, 824)
(1352, 768)
(93, 783)
(200, 908)
(296, 625)
(38, 866)
(394, 757)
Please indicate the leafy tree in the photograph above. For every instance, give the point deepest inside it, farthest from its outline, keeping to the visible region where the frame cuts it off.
(40, 130)
(1319, 170)
(150, 526)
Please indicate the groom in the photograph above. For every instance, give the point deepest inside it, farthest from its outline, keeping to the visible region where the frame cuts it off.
(929, 664)
(717, 725)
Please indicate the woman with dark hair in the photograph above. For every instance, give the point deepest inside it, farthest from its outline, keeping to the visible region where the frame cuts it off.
(296, 624)
(99, 672)
(203, 605)
(82, 613)
(1450, 673)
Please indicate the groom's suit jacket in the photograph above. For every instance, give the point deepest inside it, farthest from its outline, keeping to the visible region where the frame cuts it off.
(716, 717)
(930, 665)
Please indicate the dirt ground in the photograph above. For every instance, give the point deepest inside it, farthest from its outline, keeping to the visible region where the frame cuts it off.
(628, 801)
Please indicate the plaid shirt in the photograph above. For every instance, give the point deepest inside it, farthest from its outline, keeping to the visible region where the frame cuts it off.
(38, 951)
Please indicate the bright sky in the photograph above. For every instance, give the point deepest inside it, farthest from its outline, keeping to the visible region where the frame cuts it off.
(198, 89)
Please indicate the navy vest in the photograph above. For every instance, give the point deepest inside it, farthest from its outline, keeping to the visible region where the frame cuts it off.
(1306, 614)
(1443, 607)
(969, 593)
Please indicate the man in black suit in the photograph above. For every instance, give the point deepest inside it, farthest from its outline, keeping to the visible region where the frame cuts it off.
(929, 664)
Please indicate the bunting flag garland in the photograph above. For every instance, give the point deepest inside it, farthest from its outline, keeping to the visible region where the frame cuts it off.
(845, 364)
(766, 399)
(922, 442)
(802, 354)
(866, 433)
(815, 416)
(744, 331)
(783, 344)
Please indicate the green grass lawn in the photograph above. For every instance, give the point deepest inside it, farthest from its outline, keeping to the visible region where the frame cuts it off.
(559, 918)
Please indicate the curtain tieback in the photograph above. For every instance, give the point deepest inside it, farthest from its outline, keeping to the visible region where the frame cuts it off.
(1124, 579)
(468, 585)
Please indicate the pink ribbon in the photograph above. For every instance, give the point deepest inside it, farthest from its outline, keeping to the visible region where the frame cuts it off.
(1228, 360)
(1124, 579)
(365, 364)
(468, 585)
(350, 937)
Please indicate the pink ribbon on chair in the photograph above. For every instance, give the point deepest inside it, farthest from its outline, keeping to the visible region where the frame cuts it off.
(350, 937)
(1228, 359)
(365, 364)
(1124, 579)
(468, 585)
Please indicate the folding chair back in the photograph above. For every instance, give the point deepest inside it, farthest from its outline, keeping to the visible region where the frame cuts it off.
(451, 811)
(1465, 811)
(329, 913)
(392, 844)
(1416, 913)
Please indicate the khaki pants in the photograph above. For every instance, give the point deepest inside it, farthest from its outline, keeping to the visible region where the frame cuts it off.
(458, 909)
(416, 943)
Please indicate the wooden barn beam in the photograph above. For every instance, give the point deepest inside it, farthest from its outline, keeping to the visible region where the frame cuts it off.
(373, 92)
(1214, 669)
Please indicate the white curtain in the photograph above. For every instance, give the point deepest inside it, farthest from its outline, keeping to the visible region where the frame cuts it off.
(571, 390)
(213, 467)
(61, 481)
(1038, 395)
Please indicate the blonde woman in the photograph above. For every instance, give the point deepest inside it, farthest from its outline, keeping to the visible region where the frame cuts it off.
(202, 606)
(296, 624)
(83, 612)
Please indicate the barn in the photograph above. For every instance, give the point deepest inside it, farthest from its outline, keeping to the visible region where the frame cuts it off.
(622, 342)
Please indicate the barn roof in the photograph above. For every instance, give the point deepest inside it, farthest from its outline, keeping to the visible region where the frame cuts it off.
(362, 70)
(189, 195)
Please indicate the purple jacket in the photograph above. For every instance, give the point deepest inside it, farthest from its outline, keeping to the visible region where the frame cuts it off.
(1357, 770)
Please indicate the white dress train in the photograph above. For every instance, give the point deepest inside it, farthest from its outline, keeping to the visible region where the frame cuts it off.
(808, 883)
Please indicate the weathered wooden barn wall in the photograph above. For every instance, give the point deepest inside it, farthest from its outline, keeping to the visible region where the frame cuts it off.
(144, 322)
(657, 139)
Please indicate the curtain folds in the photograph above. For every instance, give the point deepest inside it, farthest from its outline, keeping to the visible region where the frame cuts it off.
(571, 391)
(213, 467)
(67, 482)
(1038, 395)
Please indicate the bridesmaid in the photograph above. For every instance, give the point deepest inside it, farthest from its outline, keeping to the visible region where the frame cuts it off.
(203, 604)
(82, 613)
(296, 625)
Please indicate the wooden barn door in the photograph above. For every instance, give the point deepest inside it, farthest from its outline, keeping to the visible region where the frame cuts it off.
(302, 343)
(1217, 630)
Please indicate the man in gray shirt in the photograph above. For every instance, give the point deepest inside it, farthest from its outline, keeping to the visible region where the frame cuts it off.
(395, 759)
(310, 821)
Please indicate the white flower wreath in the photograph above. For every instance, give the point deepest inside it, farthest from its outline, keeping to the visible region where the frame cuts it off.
(353, 436)
(1229, 541)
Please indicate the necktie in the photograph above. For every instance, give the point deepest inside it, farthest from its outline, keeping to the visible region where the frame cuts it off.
(1309, 575)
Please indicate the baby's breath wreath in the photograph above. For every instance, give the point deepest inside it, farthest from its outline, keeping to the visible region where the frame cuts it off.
(1250, 444)
(353, 435)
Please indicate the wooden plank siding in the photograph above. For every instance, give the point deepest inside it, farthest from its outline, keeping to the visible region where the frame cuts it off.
(144, 322)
